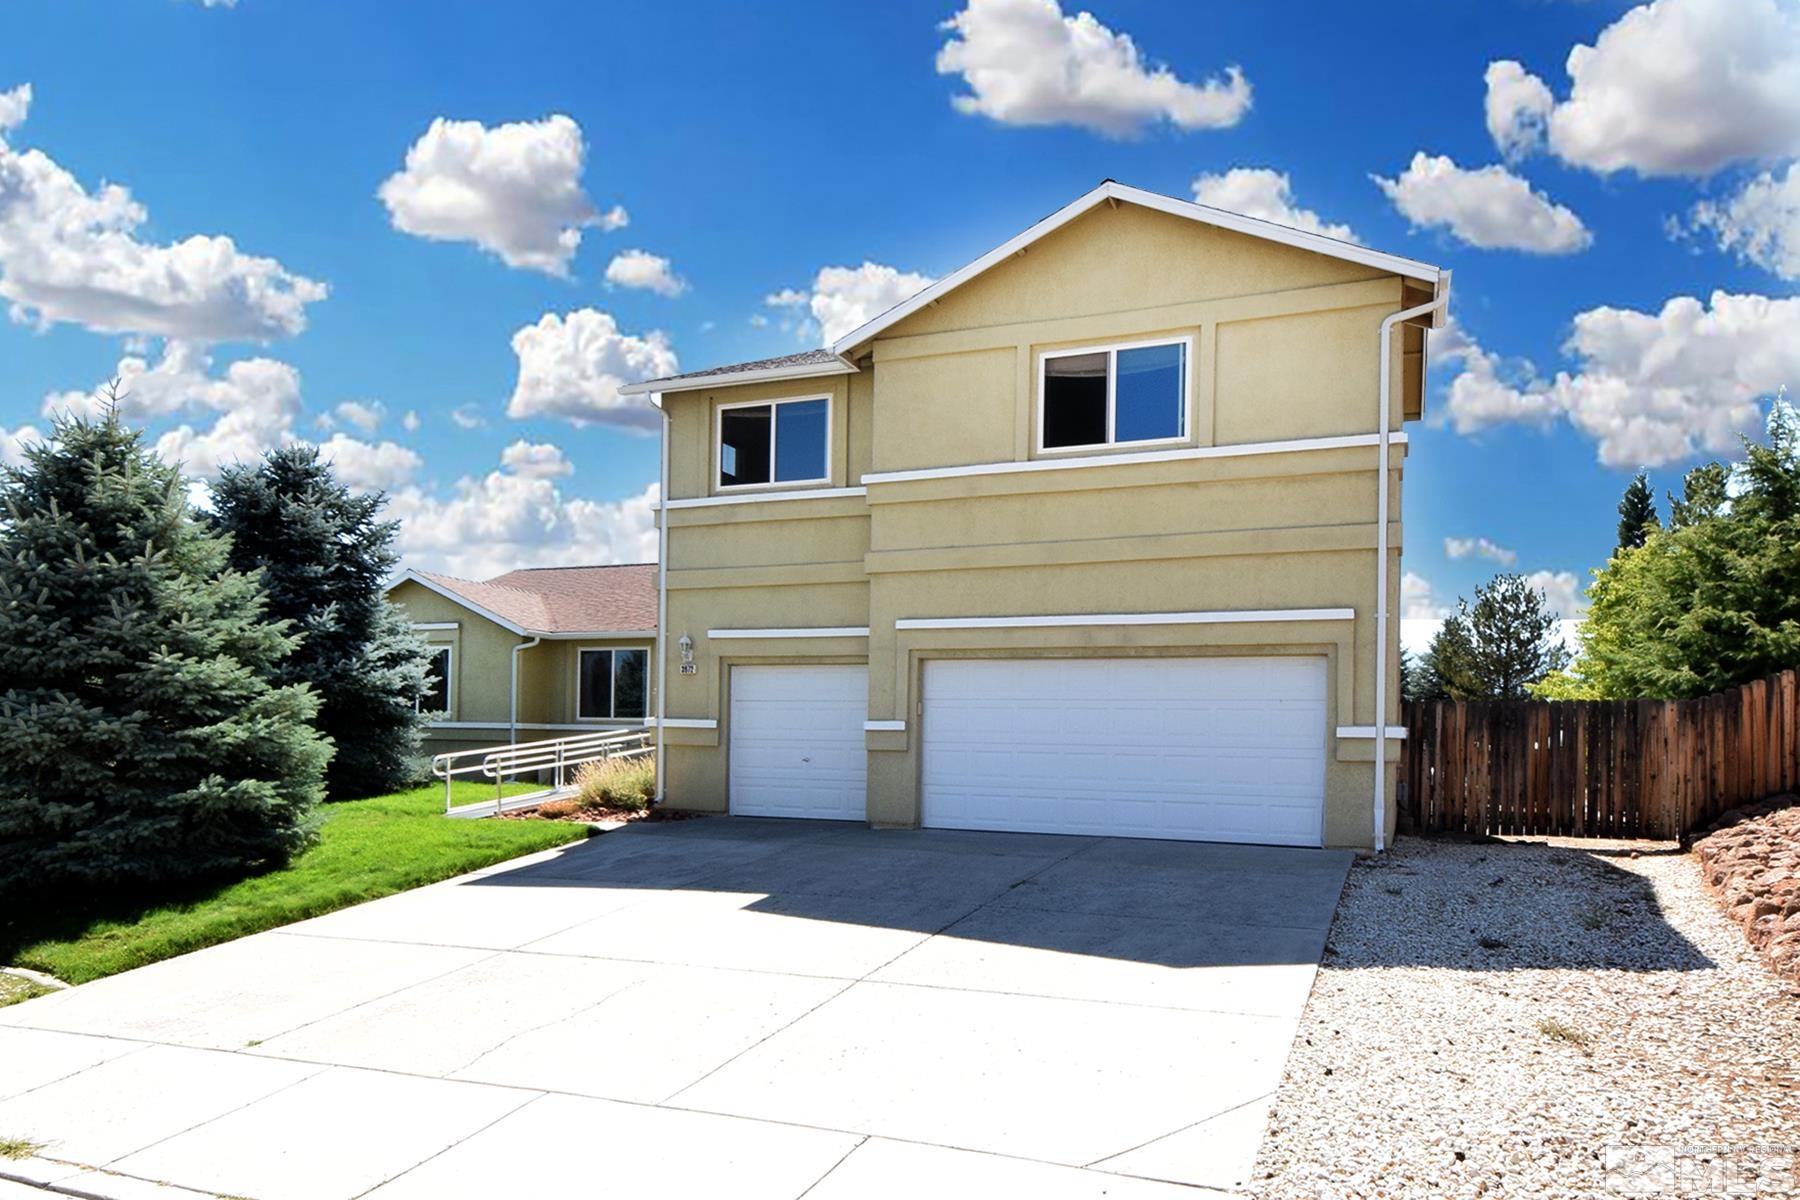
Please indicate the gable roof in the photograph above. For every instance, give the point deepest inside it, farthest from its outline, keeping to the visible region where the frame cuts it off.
(805, 365)
(556, 601)
(834, 359)
(1113, 191)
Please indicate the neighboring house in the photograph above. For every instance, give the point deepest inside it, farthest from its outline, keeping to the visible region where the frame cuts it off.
(535, 654)
(1082, 538)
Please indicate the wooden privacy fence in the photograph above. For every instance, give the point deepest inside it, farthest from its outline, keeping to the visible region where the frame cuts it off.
(1597, 768)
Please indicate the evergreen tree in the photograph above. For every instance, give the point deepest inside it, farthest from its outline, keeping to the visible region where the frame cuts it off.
(1713, 601)
(1637, 513)
(140, 737)
(1703, 495)
(325, 555)
(1496, 648)
(1447, 671)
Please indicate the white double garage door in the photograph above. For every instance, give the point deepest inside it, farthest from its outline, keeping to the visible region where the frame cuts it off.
(1205, 749)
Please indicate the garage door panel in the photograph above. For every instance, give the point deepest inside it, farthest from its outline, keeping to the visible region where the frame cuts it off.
(1207, 749)
(796, 744)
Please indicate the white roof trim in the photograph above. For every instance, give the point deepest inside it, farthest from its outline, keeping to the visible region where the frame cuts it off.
(1268, 230)
(717, 379)
(431, 585)
(814, 631)
(1161, 618)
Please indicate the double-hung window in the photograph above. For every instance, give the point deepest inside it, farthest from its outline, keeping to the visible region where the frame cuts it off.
(1111, 395)
(783, 441)
(436, 699)
(611, 685)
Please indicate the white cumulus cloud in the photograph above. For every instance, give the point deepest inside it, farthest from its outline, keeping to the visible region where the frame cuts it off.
(645, 271)
(14, 443)
(1760, 223)
(846, 298)
(1026, 63)
(505, 520)
(1673, 87)
(1265, 194)
(1652, 389)
(71, 256)
(536, 460)
(370, 466)
(364, 416)
(1518, 108)
(1489, 208)
(515, 190)
(1479, 547)
(573, 366)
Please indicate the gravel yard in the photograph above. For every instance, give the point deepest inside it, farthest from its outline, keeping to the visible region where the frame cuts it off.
(1536, 1019)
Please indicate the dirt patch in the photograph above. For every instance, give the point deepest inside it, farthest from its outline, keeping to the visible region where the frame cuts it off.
(1751, 862)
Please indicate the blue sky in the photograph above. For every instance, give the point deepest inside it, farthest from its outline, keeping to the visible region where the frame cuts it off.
(753, 146)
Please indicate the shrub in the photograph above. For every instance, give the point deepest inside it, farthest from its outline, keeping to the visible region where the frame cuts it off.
(141, 739)
(622, 783)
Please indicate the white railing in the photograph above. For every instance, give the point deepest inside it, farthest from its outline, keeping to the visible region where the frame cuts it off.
(553, 761)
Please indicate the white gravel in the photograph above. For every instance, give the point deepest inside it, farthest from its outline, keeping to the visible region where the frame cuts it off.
(1422, 1066)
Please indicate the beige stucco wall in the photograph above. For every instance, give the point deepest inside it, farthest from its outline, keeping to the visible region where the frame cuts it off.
(481, 669)
(1283, 349)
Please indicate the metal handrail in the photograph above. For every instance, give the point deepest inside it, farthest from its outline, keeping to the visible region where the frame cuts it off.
(557, 756)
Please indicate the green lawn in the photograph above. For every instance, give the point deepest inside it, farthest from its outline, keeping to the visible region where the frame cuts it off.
(367, 848)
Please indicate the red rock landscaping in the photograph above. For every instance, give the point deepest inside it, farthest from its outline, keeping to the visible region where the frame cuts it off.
(1751, 861)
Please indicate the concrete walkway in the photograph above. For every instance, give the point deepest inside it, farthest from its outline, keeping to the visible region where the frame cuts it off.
(714, 1007)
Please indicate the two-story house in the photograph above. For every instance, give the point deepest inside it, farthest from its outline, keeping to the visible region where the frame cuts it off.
(1099, 534)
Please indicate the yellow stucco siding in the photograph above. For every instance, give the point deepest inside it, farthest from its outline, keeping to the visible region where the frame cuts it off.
(481, 669)
(1283, 349)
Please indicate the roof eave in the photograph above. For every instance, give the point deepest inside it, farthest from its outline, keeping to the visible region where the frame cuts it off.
(841, 366)
(1112, 190)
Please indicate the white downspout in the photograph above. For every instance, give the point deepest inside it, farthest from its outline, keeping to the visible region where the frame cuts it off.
(662, 589)
(1382, 442)
(512, 712)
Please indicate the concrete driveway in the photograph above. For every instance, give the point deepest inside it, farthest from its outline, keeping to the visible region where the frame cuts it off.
(715, 1007)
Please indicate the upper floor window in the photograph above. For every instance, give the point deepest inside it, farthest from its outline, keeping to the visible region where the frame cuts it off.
(612, 684)
(436, 699)
(783, 441)
(1106, 395)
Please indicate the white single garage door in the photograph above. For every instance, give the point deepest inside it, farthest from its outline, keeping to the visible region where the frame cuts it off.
(797, 742)
(1206, 749)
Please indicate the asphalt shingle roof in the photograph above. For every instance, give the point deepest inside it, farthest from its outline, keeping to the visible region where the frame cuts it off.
(805, 358)
(565, 599)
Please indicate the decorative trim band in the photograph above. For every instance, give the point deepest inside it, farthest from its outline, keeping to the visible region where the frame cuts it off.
(816, 631)
(884, 726)
(436, 625)
(1167, 618)
(766, 497)
(1397, 732)
(1248, 449)
(685, 723)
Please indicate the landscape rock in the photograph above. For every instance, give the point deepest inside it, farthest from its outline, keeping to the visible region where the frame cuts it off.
(1751, 860)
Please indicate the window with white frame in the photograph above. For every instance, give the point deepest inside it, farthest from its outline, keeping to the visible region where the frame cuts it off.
(612, 685)
(783, 441)
(436, 698)
(1109, 395)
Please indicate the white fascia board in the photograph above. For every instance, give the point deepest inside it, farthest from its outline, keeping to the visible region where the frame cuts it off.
(1368, 731)
(615, 634)
(842, 366)
(457, 598)
(766, 497)
(1110, 190)
(816, 631)
(1292, 446)
(1098, 619)
(684, 723)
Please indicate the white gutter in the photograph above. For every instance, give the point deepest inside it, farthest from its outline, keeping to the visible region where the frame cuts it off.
(662, 589)
(512, 710)
(1382, 441)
